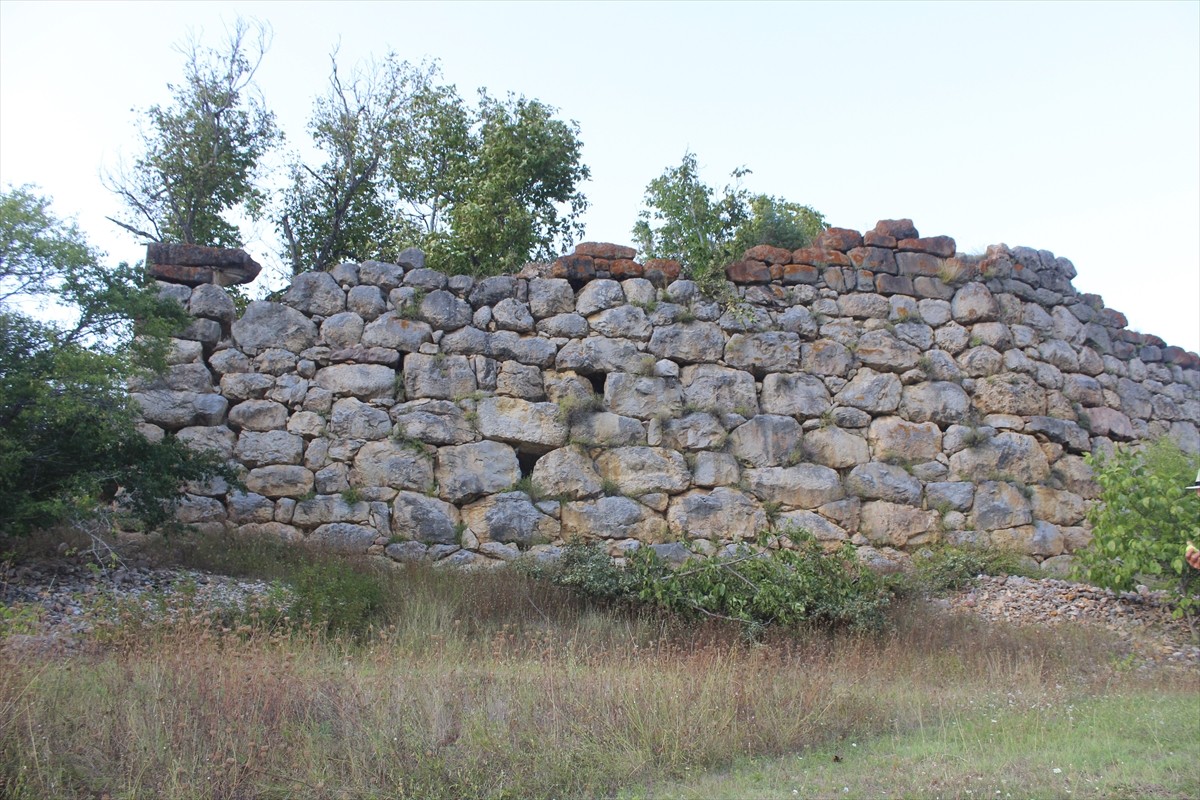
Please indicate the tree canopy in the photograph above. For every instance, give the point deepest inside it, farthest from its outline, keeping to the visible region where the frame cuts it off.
(68, 437)
(201, 154)
(686, 219)
(405, 161)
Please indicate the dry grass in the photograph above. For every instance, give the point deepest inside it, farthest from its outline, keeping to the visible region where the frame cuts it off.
(491, 685)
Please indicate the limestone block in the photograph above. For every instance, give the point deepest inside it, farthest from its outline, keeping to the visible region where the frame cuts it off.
(366, 301)
(696, 431)
(891, 524)
(550, 296)
(280, 480)
(719, 389)
(424, 519)
(834, 447)
(1016, 456)
(393, 332)
(598, 295)
(802, 486)
(605, 429)
(510, 518)
(895, 438)
(641, 470)
(465, 472)
(942, 402)
(999, 504)
(567, 326)
(353, 419)
(715, 469)
(344, 537)
(688, 343)
(512, 315)
(439, 376)
(265, 325)
(879, 481)
(258, 415)
(795, 394)
(492, 290)
(567, 472)
(521, 380)
(974, 303)
(863, 306)
(239, 386)
(534, 426)
(216, 439)
(260, 448)
(1109, 422)
(174, 410)
(318, 510)
(825, 357)
(315, 293)
(392, 464)
(247, 507)
(1010, 393)
(770, 351)
(365, 381)
(811, 522)
(382, 274)
(344, 329)
(210, 301)
(883, 352)
(871, 391)
(642, 397)
(612, 518)
(627, 322)
(602, 354)
(723, 514)
(767, 440)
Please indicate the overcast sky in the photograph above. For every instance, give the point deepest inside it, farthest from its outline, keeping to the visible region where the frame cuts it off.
(1071, 127)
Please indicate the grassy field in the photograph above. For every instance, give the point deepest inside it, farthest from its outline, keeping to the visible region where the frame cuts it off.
(494, 685)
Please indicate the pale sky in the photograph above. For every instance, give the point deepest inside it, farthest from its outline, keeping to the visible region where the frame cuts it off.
(1072, 127)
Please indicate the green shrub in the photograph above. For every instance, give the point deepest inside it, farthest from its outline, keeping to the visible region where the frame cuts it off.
(751, 588)
(334, 597)
(944, 569)
(1143, 521)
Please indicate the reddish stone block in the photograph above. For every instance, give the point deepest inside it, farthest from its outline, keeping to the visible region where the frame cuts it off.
(178, 273)
(804, 273)
(956, 270)
(613, 252)
(769, 254)
(839, 239)
(625, 268)
(942, 246)
(834, 279)
(574, 268)
(877, 239)
(820, 257)
(898, 228)
(875, 259)
(1178, 356)
(918, 264)
(893, 284)
(661, 271)
(1112, 318)
(748, 272)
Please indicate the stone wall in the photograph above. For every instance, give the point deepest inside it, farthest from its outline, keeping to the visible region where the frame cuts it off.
(874, 388)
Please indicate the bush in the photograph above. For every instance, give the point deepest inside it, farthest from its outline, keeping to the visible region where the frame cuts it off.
(944, 569)
(1143, 521)
(336, 598)
(751, 588)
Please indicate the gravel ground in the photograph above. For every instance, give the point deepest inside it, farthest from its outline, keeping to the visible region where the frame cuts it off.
(63, 600)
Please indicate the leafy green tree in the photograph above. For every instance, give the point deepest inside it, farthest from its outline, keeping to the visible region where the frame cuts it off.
(407, 162)
(202, 153)
(340, 209)
(1143, 521)
(686, 219)
(68, 438)
(519, 197)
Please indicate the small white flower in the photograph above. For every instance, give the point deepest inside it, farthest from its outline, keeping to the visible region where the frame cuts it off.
(1057, 771)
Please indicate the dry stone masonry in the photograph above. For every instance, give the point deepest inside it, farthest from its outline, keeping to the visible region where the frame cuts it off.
(875, 388)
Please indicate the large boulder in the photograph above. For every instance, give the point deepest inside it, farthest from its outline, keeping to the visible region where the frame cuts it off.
(421, 518)
(265, 325)
(533, 426)
(795, 394)
(465, 472)
(724, 514)
(805, 486)
(642, 470)
(567, 472)
(394, 464)
(612, 518)
(642, 397)
(510, 518)
(767, 440)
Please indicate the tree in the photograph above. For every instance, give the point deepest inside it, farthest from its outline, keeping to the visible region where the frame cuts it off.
(202, 153)
(686, 219)
(524, 167)
(408, 162)
(68, 438)
(1142, 521)
(339, 209)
